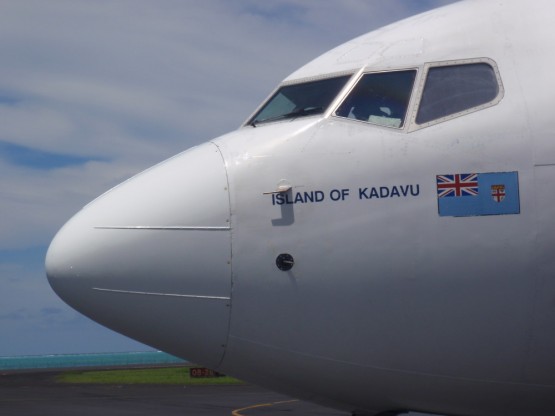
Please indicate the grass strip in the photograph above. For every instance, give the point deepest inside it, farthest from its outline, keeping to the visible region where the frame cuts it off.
(167, 375)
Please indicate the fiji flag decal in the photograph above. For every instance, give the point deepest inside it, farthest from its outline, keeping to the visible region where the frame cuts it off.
(475, 194)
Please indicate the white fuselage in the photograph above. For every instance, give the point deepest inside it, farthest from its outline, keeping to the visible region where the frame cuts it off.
(389, 306)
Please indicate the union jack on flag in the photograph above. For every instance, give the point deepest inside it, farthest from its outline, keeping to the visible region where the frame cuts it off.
(460, 184)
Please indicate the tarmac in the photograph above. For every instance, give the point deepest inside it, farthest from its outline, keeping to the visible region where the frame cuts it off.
(38, 394)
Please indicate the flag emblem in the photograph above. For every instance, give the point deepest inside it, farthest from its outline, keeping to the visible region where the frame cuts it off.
(476, 194)
(498, 192)
(455, 185)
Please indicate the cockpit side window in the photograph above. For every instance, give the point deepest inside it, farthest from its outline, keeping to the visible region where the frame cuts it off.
(380, 98)
(454, 89)
(299, 100)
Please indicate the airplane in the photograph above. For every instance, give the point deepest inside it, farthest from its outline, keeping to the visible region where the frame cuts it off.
(378, 236)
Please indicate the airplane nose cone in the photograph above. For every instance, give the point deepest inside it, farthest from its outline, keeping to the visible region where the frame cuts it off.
(151, 258)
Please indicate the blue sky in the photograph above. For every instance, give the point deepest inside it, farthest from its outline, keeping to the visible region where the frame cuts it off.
(94, 92)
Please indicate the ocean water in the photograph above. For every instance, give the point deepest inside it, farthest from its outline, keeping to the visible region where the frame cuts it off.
(120, 359)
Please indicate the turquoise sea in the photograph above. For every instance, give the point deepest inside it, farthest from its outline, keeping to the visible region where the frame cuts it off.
(119, 359)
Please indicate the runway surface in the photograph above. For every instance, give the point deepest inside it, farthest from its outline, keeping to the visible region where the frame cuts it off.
(37, 394)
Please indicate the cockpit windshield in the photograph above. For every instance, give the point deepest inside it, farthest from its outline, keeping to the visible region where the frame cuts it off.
(380, 98)
(298, 100)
